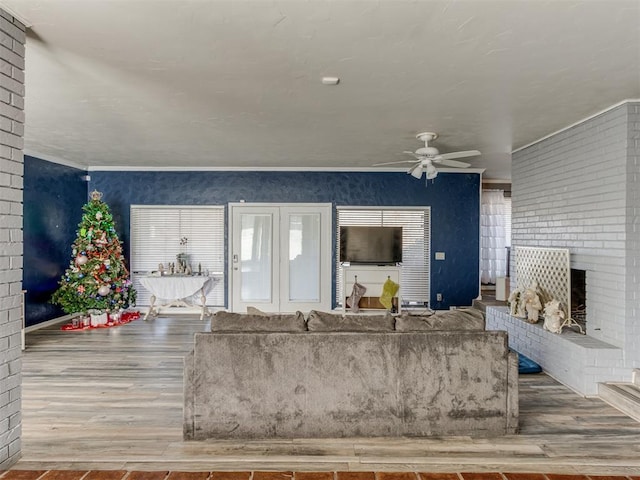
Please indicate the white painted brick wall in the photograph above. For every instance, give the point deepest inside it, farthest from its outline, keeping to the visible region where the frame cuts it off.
(580, 189)
(12, 39)
(632, 328)
(578, 361)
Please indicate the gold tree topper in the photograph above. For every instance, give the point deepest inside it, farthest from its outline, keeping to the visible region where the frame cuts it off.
(96, 196)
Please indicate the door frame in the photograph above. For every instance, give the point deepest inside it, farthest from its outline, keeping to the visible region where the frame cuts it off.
(326, 253)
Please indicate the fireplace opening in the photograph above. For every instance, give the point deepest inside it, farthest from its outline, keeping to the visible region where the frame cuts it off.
(579, 297)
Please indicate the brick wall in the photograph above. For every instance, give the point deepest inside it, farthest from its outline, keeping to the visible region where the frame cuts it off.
(569, 192)
(580, 189)
(632, 325)
(576, 360)
(12, 41)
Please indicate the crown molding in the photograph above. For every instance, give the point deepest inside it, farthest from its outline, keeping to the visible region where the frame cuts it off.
(575, 124)
(16, 15)
(127, 168)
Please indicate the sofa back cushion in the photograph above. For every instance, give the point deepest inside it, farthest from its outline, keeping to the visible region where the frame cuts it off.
(332, 322)
(242, 322)
(459, 319)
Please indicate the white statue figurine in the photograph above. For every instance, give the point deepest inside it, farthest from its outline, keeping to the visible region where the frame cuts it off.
(553, 316)
(514, 302)
(531, 303)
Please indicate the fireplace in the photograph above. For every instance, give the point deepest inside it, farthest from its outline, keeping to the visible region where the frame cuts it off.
(579, 297)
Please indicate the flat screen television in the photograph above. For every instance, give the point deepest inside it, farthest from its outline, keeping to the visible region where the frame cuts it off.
(371, 245)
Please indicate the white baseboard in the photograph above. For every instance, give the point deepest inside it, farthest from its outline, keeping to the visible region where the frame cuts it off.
(37, 326)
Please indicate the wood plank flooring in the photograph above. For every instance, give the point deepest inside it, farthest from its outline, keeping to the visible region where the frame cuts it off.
(112, 399)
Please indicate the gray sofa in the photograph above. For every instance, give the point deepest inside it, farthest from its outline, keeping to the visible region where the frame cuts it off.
(280, 376)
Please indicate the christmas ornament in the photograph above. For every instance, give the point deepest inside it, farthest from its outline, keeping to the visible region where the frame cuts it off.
(98, 215)
(81, 260)
(104, 290)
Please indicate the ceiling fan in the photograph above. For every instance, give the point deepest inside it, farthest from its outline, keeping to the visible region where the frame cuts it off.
(428, 156)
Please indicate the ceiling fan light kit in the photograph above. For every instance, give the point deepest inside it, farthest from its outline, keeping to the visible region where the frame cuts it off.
(426, 157)
(416, 171)
(431, 171)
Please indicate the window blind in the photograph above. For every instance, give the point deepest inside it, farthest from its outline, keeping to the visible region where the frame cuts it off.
(156, 232)
(416, 243)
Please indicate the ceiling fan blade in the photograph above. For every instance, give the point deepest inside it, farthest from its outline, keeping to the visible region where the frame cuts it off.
(465, 153)
(414, 155)
(453, 163)
(393, 163)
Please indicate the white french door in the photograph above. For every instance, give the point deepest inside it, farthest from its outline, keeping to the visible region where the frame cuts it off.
(280, 257)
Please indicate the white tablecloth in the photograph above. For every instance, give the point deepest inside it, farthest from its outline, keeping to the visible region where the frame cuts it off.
(173, 287)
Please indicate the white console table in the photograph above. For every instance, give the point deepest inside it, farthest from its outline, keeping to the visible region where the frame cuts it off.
(178, 290)
(372, 277)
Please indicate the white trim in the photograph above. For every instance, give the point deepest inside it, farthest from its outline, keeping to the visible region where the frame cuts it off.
(615, 105)
(164, 207)
(48, 323)
(16, 15)
(280, 264)
(461, 170)
(391, 207)
(479, 297)
(419, 287)
(247, 168)
(497, 180)
(128, 168)
(271, 204)
(52, 159)
(153, 230)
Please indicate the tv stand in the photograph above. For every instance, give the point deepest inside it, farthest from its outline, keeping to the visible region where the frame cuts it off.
(372, 277)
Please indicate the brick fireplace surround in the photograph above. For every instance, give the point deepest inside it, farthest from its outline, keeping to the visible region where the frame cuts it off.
(580, 189)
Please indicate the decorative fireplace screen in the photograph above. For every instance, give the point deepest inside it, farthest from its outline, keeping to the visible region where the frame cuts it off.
(550, 268)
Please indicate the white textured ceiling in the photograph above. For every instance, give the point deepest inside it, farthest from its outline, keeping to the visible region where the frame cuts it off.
(178, 83)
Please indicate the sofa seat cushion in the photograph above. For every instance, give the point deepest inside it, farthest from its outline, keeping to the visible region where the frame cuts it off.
(332, 322)
(459, 319)
(242, 322)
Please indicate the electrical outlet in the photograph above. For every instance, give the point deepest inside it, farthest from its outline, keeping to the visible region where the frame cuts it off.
(438, 297)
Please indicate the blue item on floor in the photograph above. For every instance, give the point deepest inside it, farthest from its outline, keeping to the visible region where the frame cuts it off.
(526, 365)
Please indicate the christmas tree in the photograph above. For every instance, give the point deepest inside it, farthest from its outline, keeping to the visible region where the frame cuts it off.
(97, 279)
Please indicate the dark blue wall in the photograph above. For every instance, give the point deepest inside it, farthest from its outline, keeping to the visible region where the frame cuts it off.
(53, 199)
(454, 200)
